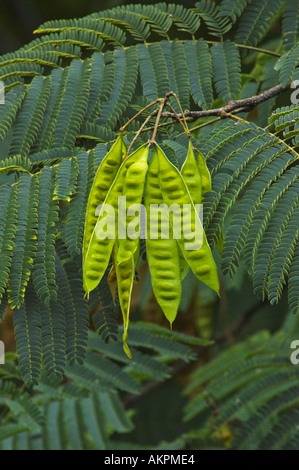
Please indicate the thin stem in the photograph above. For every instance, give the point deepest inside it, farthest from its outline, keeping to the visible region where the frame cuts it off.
(139, 112)
(236, 106)
(179, 105)
(291, 149)
(162, 124)
(140, 130)
(212, 121)
(251, 48)
(178, 117)
(230, 110)
(237, 118)
(160, 109)
(240, 46)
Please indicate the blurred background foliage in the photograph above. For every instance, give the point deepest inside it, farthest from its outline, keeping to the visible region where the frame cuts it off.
(19, 18)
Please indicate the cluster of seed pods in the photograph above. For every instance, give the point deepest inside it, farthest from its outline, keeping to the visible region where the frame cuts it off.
(159, 182)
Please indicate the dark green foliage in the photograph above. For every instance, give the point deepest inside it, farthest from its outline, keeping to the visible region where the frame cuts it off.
(256, 20)
(290, 24)
(54, 337)
(28, 326)
(259, 161)
(232, 8)
(74, 304)
(29, 118)
(7, 231)
(200, 83)
(214, 18)
(287, 64)
(255, 387)
(226, 70)
(43, 273)
(85, 411)
(25, 241)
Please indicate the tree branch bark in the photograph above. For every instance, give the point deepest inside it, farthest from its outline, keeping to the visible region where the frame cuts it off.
(235, 106)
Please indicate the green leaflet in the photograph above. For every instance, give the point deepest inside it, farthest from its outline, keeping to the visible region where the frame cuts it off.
(25, 240)
(12, 168)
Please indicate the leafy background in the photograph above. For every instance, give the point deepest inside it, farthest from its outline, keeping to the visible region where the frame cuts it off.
(20, 18)
(168, 410)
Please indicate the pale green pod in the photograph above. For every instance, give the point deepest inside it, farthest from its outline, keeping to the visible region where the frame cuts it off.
(102, 182)
(192, 177)
(184, 266)
(133, 191)
(99, 250)
(206, 181)
(162, 254)
(125, 273)
(175, 190)
(206, 187)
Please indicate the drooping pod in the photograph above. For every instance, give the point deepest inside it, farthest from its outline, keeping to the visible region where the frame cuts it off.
(198, 254)
(207, 187)
(192, 177)
(125, 273)
(103, 180)
(162, 254)
(102, 241)
(206, 181)
(133, 192)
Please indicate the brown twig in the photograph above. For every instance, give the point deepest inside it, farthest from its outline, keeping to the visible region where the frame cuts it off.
(138, 114)
(159, 113)
(182, 113)
(233, 106)
(178, 119)
(230, 110)
(154, 113)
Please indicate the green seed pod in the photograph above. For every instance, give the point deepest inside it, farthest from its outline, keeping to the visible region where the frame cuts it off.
(162, 254)
(174, 189)
(206, 187)
(133, 190)
(100, 247)
(192, 177)
(206, 181)
(125, 273)
(104, 178)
